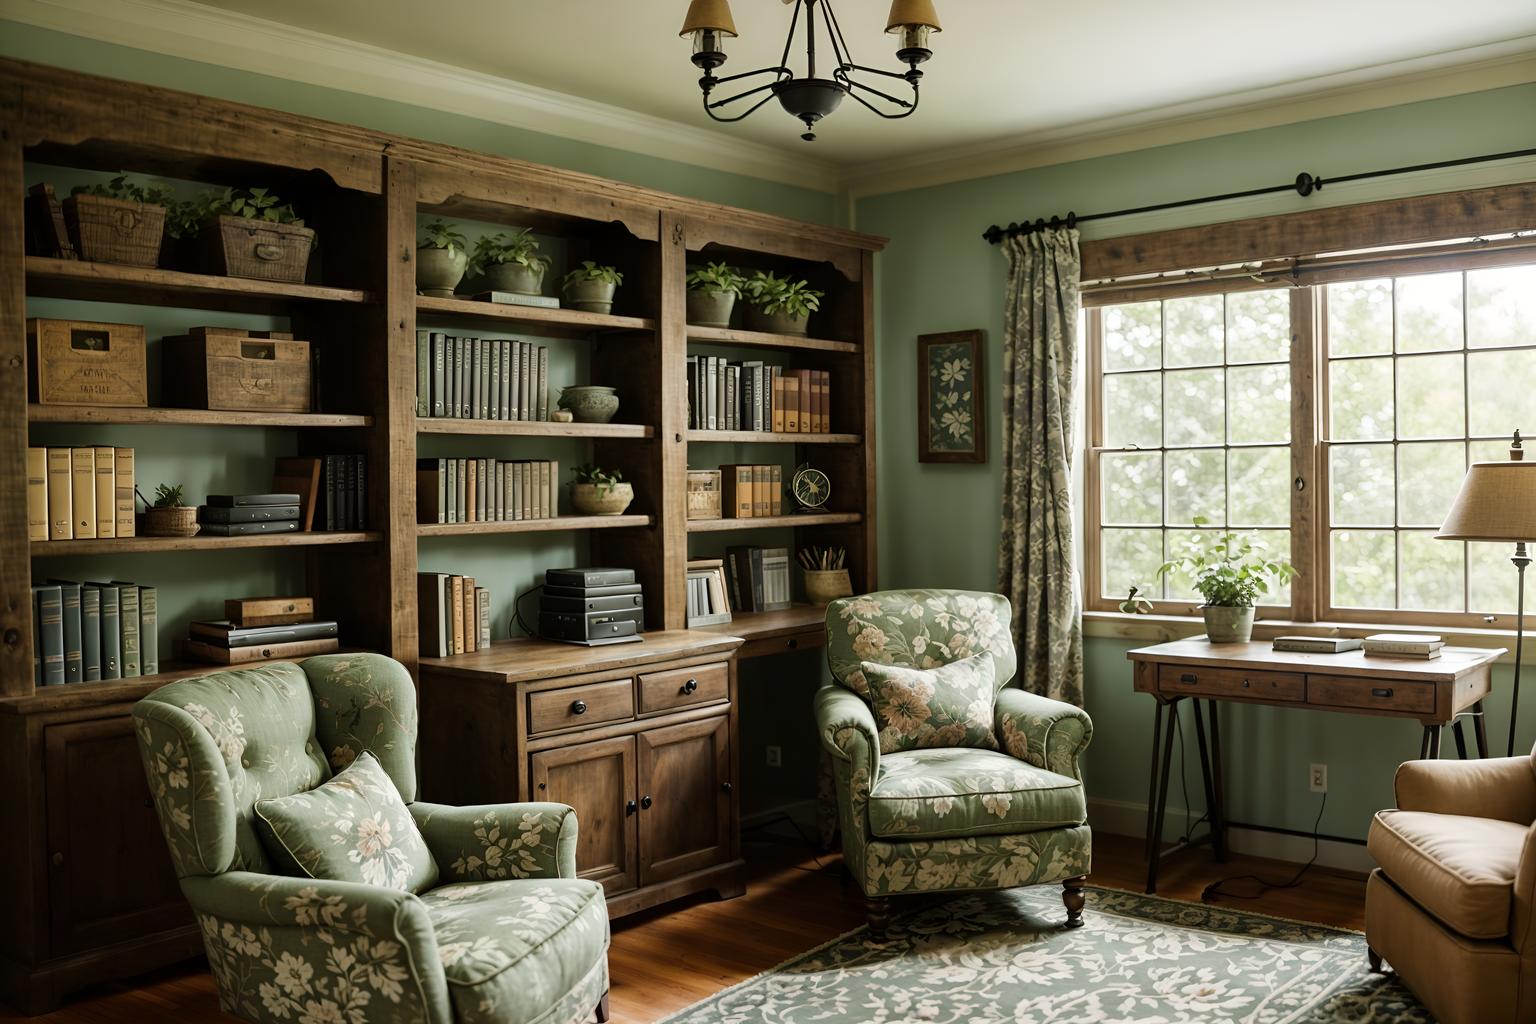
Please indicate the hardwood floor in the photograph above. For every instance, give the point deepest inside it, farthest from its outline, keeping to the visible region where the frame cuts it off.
(665, 959)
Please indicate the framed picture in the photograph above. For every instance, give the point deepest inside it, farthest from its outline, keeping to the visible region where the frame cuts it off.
(951, 398)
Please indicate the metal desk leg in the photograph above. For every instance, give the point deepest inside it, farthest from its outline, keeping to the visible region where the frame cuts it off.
(1461, 739)
(1212, 811)
(1424, 743)
(1216, 779)
(1157, 735)
(1162, 797)
(1480, 729)
(1434, 742)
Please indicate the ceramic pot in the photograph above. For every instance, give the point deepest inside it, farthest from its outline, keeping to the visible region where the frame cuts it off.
(1227, 625)
(825, 585)
(514, 277)
(590, 296)
(711, 309)
(778, 323)
(590, 403)
(612, 502)
(439, 271)
(171, 521)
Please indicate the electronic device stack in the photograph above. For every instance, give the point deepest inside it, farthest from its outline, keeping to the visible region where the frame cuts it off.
(593, 607)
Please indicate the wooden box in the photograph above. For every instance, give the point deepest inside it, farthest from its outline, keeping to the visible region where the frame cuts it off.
(244, 247)
(703, 494)
(225, 369)
(78, 362)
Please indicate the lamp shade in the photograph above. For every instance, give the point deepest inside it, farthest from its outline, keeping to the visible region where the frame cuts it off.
(1497, 502)
(912, 12)
(709, 15)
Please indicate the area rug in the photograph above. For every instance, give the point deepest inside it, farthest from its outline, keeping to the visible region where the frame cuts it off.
(1003, 958)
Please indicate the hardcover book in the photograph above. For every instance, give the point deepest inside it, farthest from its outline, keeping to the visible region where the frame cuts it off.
(431, 613)
(128, 624)
(111, 632)
(90, 632)
(199, 651)
(82, 489)
(37, 494)
(299, 475)
(106, 492)
(123, 463)
(149, 630)
(60, 506)
(70, 612)
(49, 609)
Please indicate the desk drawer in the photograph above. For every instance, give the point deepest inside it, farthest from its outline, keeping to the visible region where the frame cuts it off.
(1393, 695)
(593, 704)
(683, 688)
(1192, 680)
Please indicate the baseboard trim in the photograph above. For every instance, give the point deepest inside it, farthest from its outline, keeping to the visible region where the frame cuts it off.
(801, 812)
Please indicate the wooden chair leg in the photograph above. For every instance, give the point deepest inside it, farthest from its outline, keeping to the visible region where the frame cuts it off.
(1375, 960)
(878, 910)
(1072, 896)
(602, 1009)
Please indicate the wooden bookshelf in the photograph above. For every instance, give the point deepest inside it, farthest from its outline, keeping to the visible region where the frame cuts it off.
(774, 522)
(193, 417)
(533, 428)
(762, 339)
(124, 545)
(434, 311)
(767, 437)
(151, 286)
(551, 525)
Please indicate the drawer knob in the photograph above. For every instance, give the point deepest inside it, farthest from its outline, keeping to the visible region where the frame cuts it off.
(58, 860)
(1246, 684)
(630, 807)
(543, 786)
(792, 643)
(725, 787)
(690, 686)
(1189, 679)
(645, 803)
(578, 707)
(1381, 691)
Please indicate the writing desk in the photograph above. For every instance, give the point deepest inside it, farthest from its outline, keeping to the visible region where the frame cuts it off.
(1434, 692)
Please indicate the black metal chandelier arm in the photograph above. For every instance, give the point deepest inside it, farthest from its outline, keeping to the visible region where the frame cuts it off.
(778, 73)
(908, 108)
(878, 71)
(739, 117)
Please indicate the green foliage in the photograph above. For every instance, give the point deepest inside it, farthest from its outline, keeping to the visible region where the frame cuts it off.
(716, 279)
(591, 271)
(168, 496)
(252, 204)
(773, 294)
(442, 235)
(1229, 571)
(518, 247)
(602, 480)
(121, 188)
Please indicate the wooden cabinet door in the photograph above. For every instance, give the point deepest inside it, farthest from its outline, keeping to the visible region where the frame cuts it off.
(598, 779)
(110, 875)
(685, 798)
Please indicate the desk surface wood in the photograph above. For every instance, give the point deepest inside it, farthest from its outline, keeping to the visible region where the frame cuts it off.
(526, 658)
(1453, 663)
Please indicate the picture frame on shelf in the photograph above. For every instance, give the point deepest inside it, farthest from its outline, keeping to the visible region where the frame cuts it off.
(951, 397)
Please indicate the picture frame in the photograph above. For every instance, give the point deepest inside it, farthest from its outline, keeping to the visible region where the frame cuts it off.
(951, 397)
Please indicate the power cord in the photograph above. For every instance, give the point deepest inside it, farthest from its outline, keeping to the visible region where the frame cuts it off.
(1189, 826)
(1265, 885)
(517, 612)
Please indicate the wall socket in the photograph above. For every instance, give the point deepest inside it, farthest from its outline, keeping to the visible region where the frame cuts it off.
(775, 756)
(1317, 778)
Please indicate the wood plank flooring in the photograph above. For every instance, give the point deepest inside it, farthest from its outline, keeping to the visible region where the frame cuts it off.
(665, 959)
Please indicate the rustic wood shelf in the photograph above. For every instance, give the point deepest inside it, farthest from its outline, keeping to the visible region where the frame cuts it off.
(532, 428)
(729, 336)
(121, 545)
(191, 417)
(535, 319)
(767, 437)
(110, 282)
(800, 618)
(770, 522)
(553, 524)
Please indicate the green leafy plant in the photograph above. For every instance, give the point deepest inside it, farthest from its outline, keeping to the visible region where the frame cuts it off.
(1229, 571)
(773, 294)
(251, 204)
(716, 279)
(121, 188)
(602, 481)
(168, 496)
(591, 271)
(519, 247)
(441, 235)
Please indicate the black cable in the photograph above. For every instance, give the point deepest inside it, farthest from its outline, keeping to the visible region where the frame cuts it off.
(820, 868)
(517, 612)
(1189, 826)
(1215, 888)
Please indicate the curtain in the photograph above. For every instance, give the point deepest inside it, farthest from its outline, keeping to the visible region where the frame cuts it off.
(1036, 567)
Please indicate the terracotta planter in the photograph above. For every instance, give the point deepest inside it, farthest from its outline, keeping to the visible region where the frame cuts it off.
(590, 403)
(778, 323)
(256, 249)
(514, 277)
(439, 271)
(710, 309)
(1227, 625)
(172, 521)
(612, 502)
(590, 296)
(825, 585)
(115, 230)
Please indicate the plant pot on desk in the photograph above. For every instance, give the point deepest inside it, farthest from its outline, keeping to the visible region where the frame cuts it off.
(1225, 624)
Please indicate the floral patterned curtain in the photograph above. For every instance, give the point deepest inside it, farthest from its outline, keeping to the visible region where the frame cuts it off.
(1036, 569)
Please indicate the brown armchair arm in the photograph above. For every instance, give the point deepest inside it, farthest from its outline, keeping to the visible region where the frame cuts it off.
(1495, 787)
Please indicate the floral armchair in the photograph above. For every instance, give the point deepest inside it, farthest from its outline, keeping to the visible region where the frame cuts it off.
(950, 819)
(507, 934)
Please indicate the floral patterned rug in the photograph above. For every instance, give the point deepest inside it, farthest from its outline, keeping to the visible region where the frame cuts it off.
(1002, 958)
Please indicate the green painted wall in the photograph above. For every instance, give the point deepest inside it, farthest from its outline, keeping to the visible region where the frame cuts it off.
(938, 522)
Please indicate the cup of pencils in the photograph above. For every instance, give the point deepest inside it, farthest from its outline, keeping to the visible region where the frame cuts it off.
(826, 577)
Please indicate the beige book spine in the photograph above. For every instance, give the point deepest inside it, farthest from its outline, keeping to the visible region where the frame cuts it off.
(82, 492)
(60, 509)
(37, 494)
(124, 464)
(106, 492)
(471, 617)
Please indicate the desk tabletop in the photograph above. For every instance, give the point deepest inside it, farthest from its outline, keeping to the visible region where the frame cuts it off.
(529, 658)
(1453, 663)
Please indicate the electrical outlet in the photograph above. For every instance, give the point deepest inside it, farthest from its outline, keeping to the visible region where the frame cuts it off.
(1317, 778)
(775, 756)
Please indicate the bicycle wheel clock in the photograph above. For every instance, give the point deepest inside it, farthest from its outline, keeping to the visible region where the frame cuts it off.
(809, 488)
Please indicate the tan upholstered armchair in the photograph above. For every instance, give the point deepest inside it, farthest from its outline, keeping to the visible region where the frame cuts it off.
(1450, 906)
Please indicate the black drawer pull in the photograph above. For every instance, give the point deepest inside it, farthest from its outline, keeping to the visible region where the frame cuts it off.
(1381, 691)
(791, 643)
(631, 807)
(1189, 679)
(1246, 684)
(690, 686)
(645, 803)
(579, 707)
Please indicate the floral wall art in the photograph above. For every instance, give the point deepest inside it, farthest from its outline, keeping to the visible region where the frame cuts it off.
(951, 422)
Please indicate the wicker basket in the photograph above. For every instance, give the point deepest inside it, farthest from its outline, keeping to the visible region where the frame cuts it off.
(169, 521)
(242, 247)
(115, 230)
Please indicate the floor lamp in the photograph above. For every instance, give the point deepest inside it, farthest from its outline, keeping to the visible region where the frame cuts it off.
(1497, 503)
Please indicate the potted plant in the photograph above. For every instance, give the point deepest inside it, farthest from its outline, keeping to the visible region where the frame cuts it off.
(117, 222)
(712, 294)
(249, 232)
(590, 403)
(1231, 573)
(598, 492)
(590, 287)
(166, 516)
(779, 305)
(442, 256)
(511, 262)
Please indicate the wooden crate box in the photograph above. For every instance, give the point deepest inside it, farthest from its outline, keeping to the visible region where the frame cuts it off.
(223, 369)
(79, 362)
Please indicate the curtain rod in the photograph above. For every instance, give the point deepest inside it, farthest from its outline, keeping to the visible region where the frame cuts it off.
(1304, 185)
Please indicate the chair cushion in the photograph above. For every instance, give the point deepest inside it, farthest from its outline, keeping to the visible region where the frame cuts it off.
(947, 706)
(354, 828)
(1460, 869)
(512, 949)
(935, 794)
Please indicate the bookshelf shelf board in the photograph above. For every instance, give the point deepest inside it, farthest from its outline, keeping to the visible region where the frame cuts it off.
(532, 525)
(767, 437)
(434, 311)
(532, 428)
(191, 417)
(728, 336)
(110, 282)
(800, 618)
(121, 545)
(770, 522)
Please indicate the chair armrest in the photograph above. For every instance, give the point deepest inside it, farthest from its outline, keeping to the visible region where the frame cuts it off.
(847, 728)
(1046, 733)
(1522, 932)
(1495, 787)
(499, 841)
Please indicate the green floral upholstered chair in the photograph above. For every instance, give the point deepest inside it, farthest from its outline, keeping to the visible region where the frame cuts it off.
(501, 930)
(926, 813)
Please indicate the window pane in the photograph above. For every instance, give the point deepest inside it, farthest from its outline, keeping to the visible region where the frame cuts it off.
(1492, 583)
(1360, 318)
(1364, 569)
(1360, 485)
(1259, 326)
(1503, 386)
(1133, 336)
(1180, 586)
(1360, 400)
(1501, 307)
(1492, 451)
(1431, 572)
(1133, 488)
(1429, 312)
(1196, 407)
(1431, 398)
(1271, 544)
(1133, 410)
(1259, 486)
(1259, 404)
(1428, 477)
(1131, 559)
(1197, 486)
(1193, 331)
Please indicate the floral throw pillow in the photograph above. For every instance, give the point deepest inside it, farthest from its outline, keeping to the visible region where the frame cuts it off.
(948, 706)
(354, 828)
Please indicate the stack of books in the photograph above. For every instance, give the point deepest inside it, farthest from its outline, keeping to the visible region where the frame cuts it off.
(751, 492)
(262, 629)
(79, 493)
(237, 515)
(754, 396)
(455, 614)
(85, 632)
(1403, 645)
(486, 490)
(1316, 644)
(758, 578)
(481, 378)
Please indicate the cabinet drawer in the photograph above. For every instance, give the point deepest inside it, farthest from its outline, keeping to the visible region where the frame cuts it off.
(593, 704)
(684, 687)
(1193, 680)
(1355, 692)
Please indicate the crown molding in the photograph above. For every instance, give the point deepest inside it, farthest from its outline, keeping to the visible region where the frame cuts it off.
(180, 28)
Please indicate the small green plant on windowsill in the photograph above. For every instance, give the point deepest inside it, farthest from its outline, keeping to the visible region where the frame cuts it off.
(600, 492)
(1232, 573)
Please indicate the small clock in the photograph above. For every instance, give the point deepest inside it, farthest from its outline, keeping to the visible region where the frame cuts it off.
(810, 488)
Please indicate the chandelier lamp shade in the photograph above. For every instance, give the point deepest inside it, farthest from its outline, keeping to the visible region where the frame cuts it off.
(810, 96)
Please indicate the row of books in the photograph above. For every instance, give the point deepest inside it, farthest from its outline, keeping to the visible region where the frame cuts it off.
(707, 601)
(486, 490)
(86, 632)
(331, 493)
(454, 613)
(758, 578)
(79, 493)
(751, 492)
(752, 395)
(480, 378)
(1377, 645)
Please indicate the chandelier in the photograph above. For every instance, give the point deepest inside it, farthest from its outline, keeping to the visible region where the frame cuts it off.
(810, 97)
